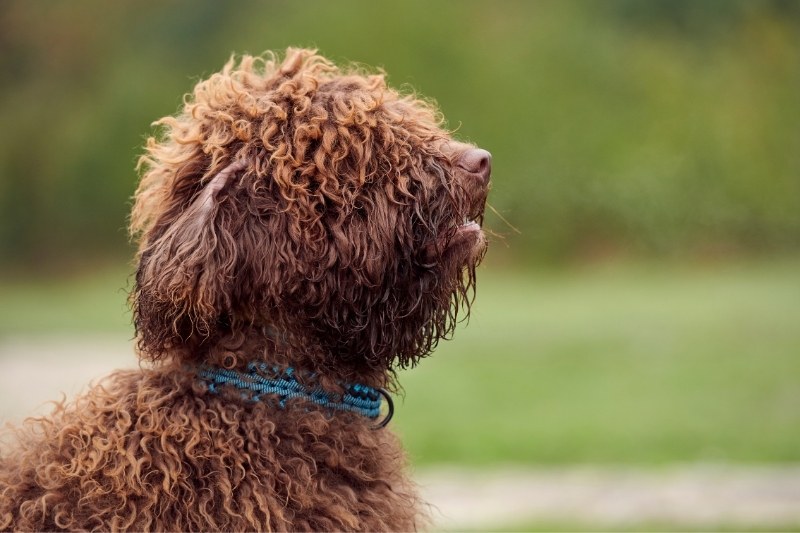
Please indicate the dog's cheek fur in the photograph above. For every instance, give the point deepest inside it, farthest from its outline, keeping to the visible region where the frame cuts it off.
(399, 318)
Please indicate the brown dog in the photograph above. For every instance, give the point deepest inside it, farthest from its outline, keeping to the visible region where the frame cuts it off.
(304, 230)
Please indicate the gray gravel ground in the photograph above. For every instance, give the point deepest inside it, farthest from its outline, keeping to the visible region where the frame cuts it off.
(36, 370)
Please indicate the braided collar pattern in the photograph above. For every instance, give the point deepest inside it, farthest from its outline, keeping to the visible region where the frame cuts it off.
(260, 379)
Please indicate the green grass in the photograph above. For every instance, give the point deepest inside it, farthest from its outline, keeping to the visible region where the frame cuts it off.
(629, 365)
(90, 303)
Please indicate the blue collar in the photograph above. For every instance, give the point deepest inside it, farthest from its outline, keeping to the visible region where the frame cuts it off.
(261, 379)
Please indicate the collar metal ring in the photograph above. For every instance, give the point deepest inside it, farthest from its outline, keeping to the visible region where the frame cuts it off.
(389, 415)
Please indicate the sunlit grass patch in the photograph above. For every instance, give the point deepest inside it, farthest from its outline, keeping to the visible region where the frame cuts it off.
(92, 302)
(624, 366)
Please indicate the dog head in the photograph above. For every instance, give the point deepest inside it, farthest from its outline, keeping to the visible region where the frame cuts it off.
(299, 198)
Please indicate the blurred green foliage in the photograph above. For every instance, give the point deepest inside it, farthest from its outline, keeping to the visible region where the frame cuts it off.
(659, 128)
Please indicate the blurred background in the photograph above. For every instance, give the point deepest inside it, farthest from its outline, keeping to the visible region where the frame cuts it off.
(637, 321)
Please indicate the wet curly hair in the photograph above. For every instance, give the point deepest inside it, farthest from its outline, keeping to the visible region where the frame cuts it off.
(293, 212)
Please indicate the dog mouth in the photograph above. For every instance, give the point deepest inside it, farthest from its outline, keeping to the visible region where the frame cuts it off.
(468, 226)
(469, 231)
(468, 223)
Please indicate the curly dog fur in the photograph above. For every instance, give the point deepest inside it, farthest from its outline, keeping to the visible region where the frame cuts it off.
(292, 212)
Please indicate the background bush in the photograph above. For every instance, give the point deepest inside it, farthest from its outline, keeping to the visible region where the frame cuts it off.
(621, 127)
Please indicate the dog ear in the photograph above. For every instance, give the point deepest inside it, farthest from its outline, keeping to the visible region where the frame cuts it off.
(183, 273)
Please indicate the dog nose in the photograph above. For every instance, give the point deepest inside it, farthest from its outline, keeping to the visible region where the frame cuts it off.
(477, 161)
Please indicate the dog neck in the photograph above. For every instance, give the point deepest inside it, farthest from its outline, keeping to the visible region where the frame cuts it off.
(267, 344)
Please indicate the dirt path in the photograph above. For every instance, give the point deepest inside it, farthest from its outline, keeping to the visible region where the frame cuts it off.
(34, 371)
(700, 496)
